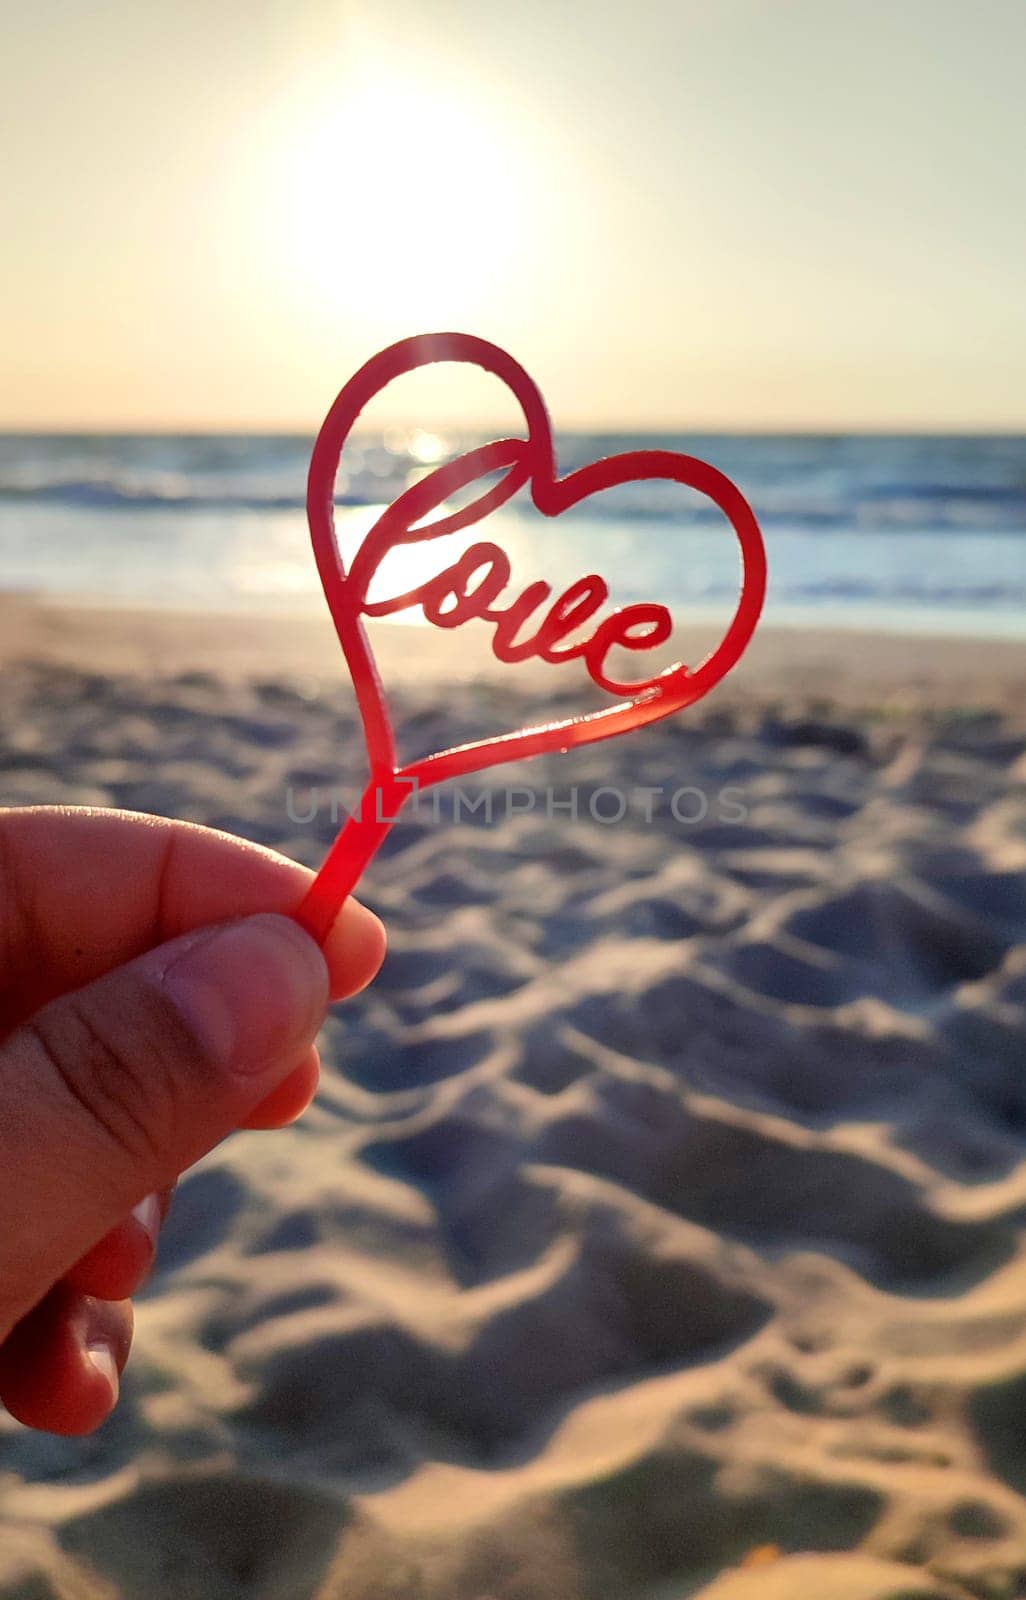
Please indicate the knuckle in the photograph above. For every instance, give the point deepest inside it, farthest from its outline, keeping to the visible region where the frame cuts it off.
(126, 1093)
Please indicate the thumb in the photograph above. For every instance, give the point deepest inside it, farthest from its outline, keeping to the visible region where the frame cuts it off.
(108, 1093)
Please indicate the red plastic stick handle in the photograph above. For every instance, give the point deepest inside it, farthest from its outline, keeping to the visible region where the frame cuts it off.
(358, 841)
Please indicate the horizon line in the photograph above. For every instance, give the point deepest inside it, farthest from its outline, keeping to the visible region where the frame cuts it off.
(605, 430)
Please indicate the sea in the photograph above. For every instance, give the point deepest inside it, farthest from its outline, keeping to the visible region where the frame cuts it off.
(920, 534)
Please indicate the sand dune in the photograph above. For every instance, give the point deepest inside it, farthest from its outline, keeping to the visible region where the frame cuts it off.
(658, 1230)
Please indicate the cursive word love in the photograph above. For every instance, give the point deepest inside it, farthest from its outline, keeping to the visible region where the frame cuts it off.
(473, 587)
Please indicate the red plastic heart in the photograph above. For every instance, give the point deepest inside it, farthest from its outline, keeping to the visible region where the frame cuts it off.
(530, 460)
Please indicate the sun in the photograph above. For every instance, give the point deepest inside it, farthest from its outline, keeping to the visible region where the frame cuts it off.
(401, 204)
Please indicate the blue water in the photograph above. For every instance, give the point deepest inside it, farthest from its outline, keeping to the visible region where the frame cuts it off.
(915, 533)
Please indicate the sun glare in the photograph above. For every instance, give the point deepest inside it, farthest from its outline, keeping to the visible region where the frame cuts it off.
(399, 204)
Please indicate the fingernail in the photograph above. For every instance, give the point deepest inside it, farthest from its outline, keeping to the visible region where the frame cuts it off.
(102, 1357)
(254, 993)
(147, 1215)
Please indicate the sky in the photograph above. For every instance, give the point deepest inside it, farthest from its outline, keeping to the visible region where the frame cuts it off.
(778, 214)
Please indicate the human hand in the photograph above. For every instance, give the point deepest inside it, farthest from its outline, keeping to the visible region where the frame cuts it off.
(138, 1027)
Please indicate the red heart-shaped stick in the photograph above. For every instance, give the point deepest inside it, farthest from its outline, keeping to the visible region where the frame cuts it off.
(530, 460)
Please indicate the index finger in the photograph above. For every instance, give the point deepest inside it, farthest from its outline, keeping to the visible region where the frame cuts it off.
(83, 891)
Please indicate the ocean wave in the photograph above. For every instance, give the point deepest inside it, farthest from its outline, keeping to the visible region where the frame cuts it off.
(926, 592)
(956, 515)
(806, 483)
(93, 494)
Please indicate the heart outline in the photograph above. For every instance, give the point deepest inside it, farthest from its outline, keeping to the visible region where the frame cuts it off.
(531, 460)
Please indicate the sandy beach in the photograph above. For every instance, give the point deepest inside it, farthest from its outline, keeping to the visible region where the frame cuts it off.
(658, 1229)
